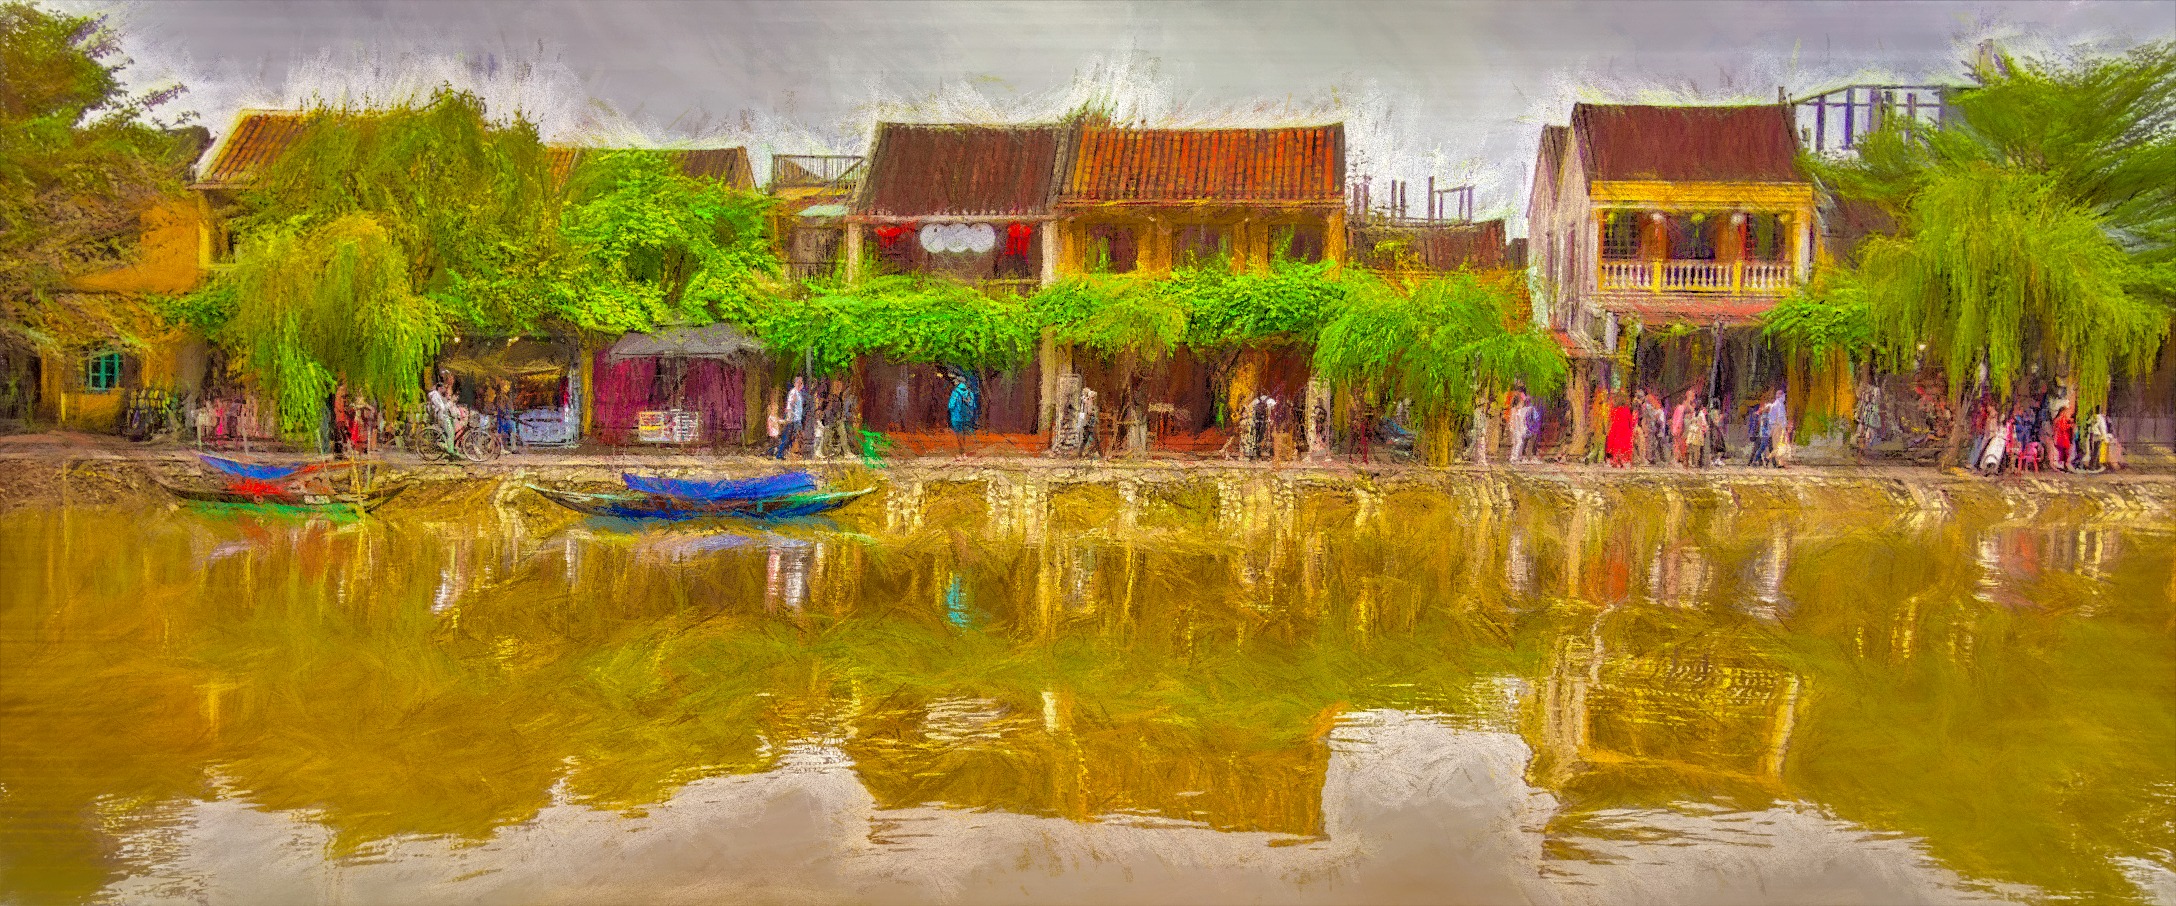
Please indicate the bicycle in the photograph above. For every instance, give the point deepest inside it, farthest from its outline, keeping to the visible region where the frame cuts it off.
(471, 440)
(151, 414)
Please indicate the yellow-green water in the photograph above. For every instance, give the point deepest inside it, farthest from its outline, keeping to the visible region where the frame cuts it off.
(1187, 693)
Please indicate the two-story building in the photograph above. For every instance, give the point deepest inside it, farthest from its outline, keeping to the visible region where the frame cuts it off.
(1152, 200)
(1647, 217)
(968, 202)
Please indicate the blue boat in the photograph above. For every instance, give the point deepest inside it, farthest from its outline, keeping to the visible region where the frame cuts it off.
(665, 506)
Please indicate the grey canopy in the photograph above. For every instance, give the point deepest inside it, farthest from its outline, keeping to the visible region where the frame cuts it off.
(715, 341)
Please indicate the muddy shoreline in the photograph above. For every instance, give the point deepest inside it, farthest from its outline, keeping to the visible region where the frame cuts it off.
(99, 478)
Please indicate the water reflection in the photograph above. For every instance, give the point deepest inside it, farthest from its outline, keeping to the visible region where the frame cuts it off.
(1953, 706)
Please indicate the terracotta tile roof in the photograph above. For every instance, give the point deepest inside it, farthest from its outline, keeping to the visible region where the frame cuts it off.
(258, 138)
(936, 170)
(1303, 165)
(1687, 144)
(1667, 309)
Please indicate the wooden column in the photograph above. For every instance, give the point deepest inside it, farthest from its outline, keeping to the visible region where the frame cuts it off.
(1049, 233)
(853, 251)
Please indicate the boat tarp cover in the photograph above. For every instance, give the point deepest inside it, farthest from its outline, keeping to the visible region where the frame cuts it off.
(259, 471)
(741, 489)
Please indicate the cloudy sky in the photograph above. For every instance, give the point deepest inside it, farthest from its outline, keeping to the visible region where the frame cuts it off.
(1454, 90)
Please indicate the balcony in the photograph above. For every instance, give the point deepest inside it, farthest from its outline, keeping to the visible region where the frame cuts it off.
(826, 171)
(1747, 278)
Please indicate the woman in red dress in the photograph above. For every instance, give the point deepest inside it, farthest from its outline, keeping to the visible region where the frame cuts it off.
(1621, 424)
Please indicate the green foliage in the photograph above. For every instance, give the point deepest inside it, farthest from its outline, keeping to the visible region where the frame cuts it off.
(309, 308)
(905, 318)
(469, 202)
(1235, 308)
(80, 158)
(1831, 314)
(1113, 314)
(651, 245)
(2037, 228)
(1437, 344)
(1996, 266)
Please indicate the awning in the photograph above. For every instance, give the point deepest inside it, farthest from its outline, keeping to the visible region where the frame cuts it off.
(824, 210)
(499, 359)
(715, 341)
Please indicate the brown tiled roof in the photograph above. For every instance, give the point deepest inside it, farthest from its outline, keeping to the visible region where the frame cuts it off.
(935, 170)
(258, 138)
(1303, 165)
(1687, 144)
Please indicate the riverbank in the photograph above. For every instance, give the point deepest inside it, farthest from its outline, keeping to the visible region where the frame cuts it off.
(34, 474)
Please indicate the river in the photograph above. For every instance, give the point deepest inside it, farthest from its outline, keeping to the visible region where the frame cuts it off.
(1189, 692)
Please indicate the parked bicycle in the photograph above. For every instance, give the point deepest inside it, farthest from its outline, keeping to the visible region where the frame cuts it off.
(151, 414)
(473, 439)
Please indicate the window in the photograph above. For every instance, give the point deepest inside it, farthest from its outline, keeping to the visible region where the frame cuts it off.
(102, 371)
(1298, 242)
(1111, 249)
(1763, 237)
(1692, 237)
(1620, 235)
(1198, 244)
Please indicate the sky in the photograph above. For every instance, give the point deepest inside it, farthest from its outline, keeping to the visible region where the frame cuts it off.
(1458, 91)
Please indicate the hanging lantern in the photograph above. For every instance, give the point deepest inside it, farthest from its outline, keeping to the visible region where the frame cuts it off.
(1016, 238)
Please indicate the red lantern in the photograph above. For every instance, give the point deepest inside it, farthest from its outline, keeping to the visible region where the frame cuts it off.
(890, 233)
(1016, 238)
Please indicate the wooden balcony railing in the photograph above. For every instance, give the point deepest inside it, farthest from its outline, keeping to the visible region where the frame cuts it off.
(1759, 278)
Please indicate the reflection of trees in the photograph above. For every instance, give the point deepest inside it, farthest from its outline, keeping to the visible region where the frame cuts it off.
(1158, 656)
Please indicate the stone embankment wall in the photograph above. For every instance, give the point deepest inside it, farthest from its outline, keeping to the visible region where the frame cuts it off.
(1011, 486)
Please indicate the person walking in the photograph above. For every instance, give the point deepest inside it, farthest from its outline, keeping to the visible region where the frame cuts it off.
(1516, 421)
(1756, 433)
(961, 410)
(1479, 452)
(1533, 431)
(1778, 431)
(1597, 426)
(1621, 429)
(2066, 429)
(796, 413)
(1695, 444)
(1718, 427)
(1679, 443)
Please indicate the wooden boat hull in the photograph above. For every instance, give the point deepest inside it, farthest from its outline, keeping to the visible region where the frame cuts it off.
(367, 501)
(654, 506)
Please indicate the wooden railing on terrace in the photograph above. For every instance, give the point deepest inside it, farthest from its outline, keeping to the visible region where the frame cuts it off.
(1759, 278)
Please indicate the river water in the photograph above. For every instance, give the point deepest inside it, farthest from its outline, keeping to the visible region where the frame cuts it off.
(1011, 691)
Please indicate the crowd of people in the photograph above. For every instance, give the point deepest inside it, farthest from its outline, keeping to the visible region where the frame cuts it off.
(2043, 435)
(1628, 429)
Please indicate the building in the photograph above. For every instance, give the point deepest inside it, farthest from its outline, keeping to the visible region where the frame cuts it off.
(1647, 217)
(813, 194)
(84, 384)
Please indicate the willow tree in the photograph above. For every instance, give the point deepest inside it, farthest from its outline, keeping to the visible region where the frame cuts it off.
(306, 310)
(1443, 343)
(649, 245)
(2036, 231)
(468, 200)
(373, 235)
(1128, 318)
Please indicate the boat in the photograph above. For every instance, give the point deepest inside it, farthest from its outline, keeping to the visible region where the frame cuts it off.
(758, 488)
(628, 505)
(262, 496)
(269, 471)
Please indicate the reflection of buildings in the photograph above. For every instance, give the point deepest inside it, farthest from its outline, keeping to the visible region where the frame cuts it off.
(1045, 757)
(1605, 716)
(785, 574)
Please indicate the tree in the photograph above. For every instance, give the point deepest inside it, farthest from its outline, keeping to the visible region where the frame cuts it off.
(905, 317)
(2036, 232)
(1439, 343)
(650, 245)
(80, 159)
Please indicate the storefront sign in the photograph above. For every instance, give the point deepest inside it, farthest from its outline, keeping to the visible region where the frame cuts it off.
(668, 426)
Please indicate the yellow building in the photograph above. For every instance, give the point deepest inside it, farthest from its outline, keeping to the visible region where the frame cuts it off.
(1648, 217)
(83, 387)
